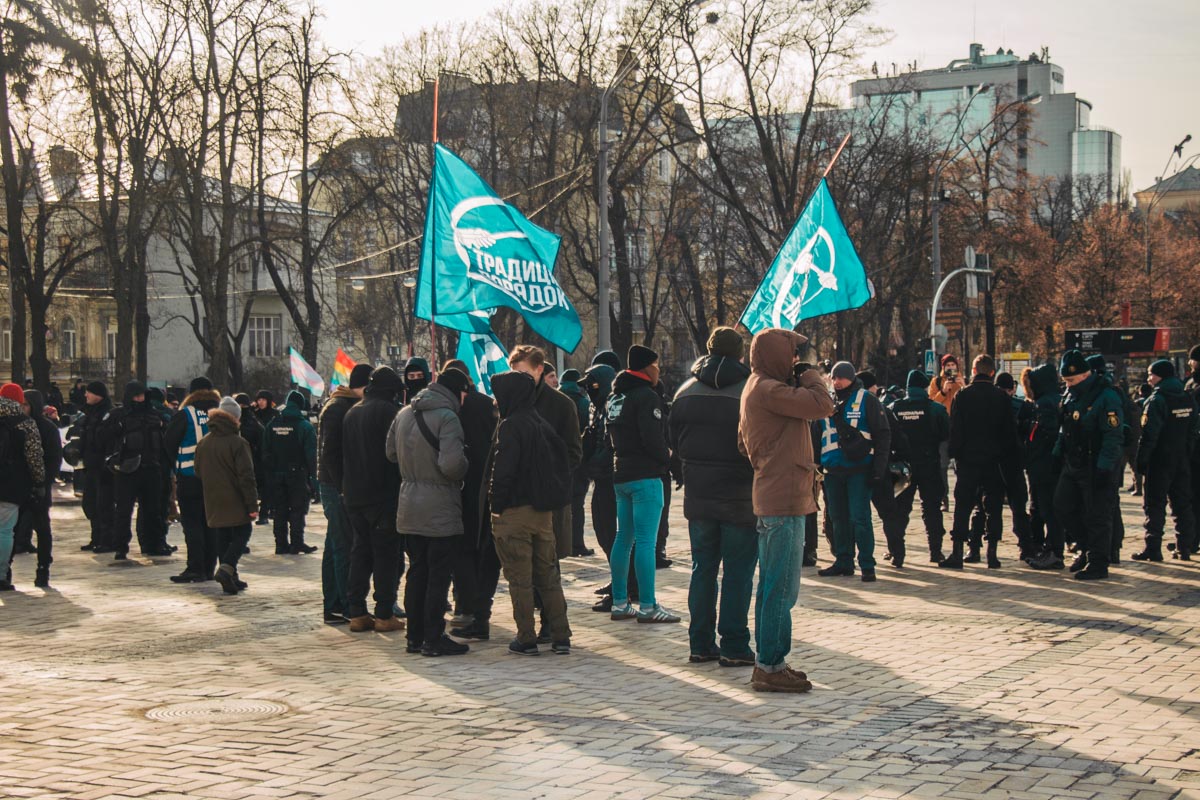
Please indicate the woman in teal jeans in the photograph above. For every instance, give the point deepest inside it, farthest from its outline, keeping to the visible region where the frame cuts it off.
(637, 428)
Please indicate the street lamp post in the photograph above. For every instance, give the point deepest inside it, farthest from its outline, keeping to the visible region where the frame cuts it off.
(935, 212)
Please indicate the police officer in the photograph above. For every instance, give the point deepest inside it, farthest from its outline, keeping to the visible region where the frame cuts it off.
(1164, 456)
(92, 433)
(926, 426)
(1089, 444)
(290, 464)
(1192, 387)
(136, 461)
(183, 433)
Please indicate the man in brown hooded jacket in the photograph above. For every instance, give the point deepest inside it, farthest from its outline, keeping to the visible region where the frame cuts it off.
(775, 434)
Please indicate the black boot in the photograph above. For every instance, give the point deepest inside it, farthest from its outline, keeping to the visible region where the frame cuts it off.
(42, 579)
(993, 561)
(955, 561)
(972, 556)
(477, 629)
(1151, 552)
(1182, 551)
(1080, 562)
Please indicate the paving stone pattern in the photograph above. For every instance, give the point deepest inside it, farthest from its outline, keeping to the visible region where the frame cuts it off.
(982, 684)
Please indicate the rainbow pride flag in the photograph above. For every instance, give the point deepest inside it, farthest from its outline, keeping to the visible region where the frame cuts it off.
(342, 365)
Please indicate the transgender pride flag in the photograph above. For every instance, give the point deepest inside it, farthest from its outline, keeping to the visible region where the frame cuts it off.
(304, 375)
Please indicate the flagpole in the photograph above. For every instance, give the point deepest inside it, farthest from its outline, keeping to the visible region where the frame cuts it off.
(833, 160)
(433, 261)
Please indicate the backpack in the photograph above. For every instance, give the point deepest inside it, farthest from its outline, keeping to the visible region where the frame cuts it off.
(550, 472)
(12, 446)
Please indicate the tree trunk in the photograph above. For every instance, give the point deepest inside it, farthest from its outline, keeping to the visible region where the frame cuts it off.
(38, 359)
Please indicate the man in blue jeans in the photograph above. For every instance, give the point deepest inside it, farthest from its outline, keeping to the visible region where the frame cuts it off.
(718, 481)
(855, 443)
(781, 399)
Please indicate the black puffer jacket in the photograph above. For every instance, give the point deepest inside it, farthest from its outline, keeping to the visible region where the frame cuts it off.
(520, 437)
(635, 428)
(95, 434)
(368, 477)
(478, 417)
(718, 480)
(982, 428)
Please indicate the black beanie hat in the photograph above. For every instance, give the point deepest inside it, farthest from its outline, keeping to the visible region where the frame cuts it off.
(1163, 368)
(1073, 363)
(98, 388)
(265, 394)
(1098, 364)
(360, 376)
(917, 380)
(640, 357)
(242, 399)
(198, 384)
(571, 376)
(1194, 353)
(609, 358)
(385, 379)
(1004, 380)
(725, 341)
(454, 380)
(869, 381)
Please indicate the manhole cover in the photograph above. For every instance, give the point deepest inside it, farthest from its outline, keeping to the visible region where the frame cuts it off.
(203, 711)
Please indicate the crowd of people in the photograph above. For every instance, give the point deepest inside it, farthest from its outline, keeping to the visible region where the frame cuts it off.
(424, 479)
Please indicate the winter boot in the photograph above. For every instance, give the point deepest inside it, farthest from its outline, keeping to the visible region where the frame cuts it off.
(992, 560)
(42, 580)
(955, 561)
(1080, 562)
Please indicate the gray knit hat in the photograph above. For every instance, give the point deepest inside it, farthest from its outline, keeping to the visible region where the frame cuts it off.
(231, 407)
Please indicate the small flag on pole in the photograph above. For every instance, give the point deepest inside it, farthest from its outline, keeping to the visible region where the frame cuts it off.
(816, 271)
(484, 356)
(304, 375)
(342, 364)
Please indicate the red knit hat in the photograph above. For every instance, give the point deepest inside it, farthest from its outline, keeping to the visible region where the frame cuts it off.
(12, 391)
(949, 357)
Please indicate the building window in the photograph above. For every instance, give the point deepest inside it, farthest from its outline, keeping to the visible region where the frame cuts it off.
(266, 336)
(67, 340)
(110, 345)
(5, 339)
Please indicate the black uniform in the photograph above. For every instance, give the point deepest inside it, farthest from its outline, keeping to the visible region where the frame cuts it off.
(137, 433)
(925, 426)
(94, 437)
(1039, 436)
(290, 462)
(1164, 458)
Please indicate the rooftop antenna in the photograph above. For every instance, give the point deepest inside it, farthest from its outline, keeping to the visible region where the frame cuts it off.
(974, 21)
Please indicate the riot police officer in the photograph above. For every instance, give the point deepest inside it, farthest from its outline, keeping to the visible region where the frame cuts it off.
(926, 426)
(1090, 444)
(136, 461)
(290, 464)
(1164, 458)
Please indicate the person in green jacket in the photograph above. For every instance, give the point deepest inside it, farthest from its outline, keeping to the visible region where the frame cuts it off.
(225, 467)
(289, 454)
(1090, 446)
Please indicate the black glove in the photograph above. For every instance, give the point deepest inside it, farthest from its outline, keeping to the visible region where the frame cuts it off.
(800, 369)
(1101, 478)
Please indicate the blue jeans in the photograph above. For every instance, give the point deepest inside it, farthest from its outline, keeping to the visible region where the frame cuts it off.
(335, 561)
(780, 553)
(9, 512)
(639, 506)
(848, 499)
(716, 544)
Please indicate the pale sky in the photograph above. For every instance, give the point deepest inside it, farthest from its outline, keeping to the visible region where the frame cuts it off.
(1137, 62)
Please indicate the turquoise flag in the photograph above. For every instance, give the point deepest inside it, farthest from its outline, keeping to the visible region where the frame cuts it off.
(816, 271)
(480, 253)
(484, 356)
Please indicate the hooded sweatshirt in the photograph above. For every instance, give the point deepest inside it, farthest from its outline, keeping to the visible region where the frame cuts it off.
(520, 437)
(635, 428)
(48, 431)
(226, 468)
(717, 478)
(774, 428)
(1042, 433)
(368, 477)
(24, 466)
(430, 500)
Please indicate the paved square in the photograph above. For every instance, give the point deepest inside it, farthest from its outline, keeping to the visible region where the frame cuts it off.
(979, 684)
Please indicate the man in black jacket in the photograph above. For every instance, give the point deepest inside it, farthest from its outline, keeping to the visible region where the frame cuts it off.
(982, 434)
(94, 444)
(523, 527)
(35, 515)
(371, 490)
(138, 447)
(717, 485)
(335, 562)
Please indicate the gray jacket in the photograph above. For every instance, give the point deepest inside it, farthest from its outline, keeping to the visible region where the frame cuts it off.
(431, 480)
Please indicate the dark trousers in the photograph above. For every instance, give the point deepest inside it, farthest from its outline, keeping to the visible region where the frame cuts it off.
(810, 535)
(664, 523)
(894, 523)
(1169, 480)
(374, 552)
(231, 543)
(1016, 492)
(465, 574)
(974, 478)
(335, 561)
(200, 540)
(488, 579)
(35, 518)
(1086, 512)
(926, 479)
(1045, 532)
(717, 545)
(430, 559)
(98, 504)
(289, 505)
(145, 488)
(578, 495)
(604, 523)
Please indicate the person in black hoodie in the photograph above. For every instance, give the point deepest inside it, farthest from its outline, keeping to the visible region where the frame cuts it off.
(640, 460)
(35, 515)
(523, 524)
(982, 434)
(183, 433)
(416, 378)
(137, 431)
(94, 444)
(717, 486)
(1040, 437)
(371, 490)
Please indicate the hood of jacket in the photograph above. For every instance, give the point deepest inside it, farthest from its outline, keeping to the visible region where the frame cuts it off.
(773, 351)
(514, 392)
(1044, 381)
(627, 381)
(36, 403)
(295, 400)
(917, 393)
(203, 399)
(1172, 386)
(435, 396)
(598, 382)
(569, 388)
(343, 391)
(720, 372)
(222, 424)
